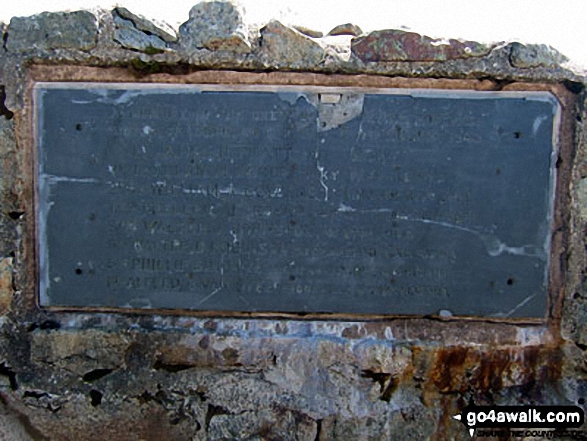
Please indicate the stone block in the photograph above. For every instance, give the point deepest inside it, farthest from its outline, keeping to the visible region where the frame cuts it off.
(161, 30)
(131, 38)
(284, 46)
(216, 26)
(535, 55)
(53, 30)
(398, 45)
(346, 29)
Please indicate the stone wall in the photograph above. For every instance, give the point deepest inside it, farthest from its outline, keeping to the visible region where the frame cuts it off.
(90, 376)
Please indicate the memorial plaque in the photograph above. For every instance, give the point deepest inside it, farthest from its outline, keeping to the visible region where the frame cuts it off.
(294, 199)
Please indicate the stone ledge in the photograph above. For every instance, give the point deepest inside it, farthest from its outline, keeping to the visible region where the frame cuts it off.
(217, 37)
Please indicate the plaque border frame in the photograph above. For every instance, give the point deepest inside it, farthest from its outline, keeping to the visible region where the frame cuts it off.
(560, 225)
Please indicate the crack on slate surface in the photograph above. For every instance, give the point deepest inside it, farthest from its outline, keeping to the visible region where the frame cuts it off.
(494, 246)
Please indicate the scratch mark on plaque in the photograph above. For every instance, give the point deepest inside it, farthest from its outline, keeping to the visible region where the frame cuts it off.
(323, 178)
(494, 246)
(111, 170)
(209, 296)
(234, 237)
(240, 296)
(515, 308)
(537, 123)
(217, 290)
(360, 134)
(147, 130)
(52, 179)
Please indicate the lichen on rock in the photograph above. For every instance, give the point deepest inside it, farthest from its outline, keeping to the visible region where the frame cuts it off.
(53, 30)
(535, 55)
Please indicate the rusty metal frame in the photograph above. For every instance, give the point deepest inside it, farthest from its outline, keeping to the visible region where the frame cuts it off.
(561, 214)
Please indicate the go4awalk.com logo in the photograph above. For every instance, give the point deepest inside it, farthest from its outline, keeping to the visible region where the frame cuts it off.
(556, 418)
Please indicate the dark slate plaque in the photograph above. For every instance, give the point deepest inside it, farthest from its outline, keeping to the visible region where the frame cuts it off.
(294, 200)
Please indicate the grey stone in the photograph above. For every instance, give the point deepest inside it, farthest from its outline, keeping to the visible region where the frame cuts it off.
(158, 29)
(9, 155)
(309, 32)
(10, 426)
(581, 188)
(535, 55)
(286, 426)
(284, 46)
(346, 29)
(53, 30)
(131, 38)
(216, 26)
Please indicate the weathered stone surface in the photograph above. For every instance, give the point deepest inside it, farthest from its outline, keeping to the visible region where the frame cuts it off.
(581, 189)
(10, 214)
(79, 352)
(215, 25)
(346, 29)
(252, 425)
(6, 291)
(535, 55)
(284, 46)
(161, 30)
(397, 45)
(309, 32)
(53, 30)
(131, 38)
(11, 429)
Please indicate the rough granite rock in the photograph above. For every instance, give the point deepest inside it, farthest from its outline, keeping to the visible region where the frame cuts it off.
(535, 55)
(397, 45)
(53, 30)
(158, 29)
(216, 26)
(346, 29)
(129, 37)
(283, 46)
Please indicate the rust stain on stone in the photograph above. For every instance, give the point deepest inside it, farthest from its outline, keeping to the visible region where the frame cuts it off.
(6, 290)
(397, 45)
(461, 369)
